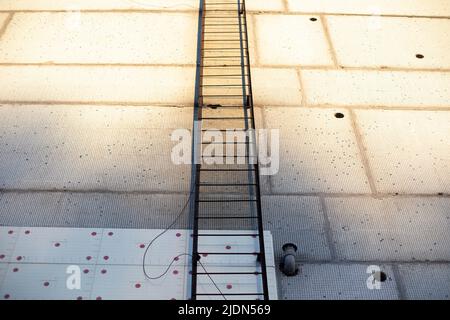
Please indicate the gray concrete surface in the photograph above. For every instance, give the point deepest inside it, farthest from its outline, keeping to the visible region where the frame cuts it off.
(88, 101)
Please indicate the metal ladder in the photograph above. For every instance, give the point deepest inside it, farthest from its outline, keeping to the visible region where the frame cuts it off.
(227, 195)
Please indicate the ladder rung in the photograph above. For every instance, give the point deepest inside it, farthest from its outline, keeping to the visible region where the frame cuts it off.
(226, 184)
(229, 157)
(224, 235)
(230, 253)
(224, 66)
(222, 95)
(221, 24)
(227, 170)
(226, 118)
(222, 75)
(225, 40)
(224, 85)
(221, 49)
(224, 218)
(226, 143)
(229, 200)
(230, 294)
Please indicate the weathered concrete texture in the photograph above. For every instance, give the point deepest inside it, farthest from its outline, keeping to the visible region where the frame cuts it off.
(143, 85)
(409, 152)
(3, 18)
(76, 147)
(318, 152)
(390, 229)
(166, 5)
(135, 38)
(337, 282)
(266, 5)
(298, 220)
(426, 281)
(377, 88)
(273, 87)
(99, 5)
(373, 7)
(306, 46)
(390, 42)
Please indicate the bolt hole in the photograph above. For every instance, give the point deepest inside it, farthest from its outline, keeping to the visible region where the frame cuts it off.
(380, 276)
(313, 19)
(339, 115)
(420, 56)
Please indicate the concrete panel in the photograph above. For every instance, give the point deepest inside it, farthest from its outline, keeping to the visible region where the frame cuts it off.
(336, 282)
(390, 229)
(379, 88)
(161, 85)
(318, 152)
(70, 5)
(297, 220)
(390, 42)
(409, 152)
(426, 281)
(52, 148)
(137, 38)
(272, 87)
(306, 46)
(388, 7)
(266, 5)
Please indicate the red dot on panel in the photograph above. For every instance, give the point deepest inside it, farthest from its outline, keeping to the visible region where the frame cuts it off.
(57, 244)
(88, 258)
(103, 271)
(105, 258)
(142, 246)
(98, 298)
(80, 298)
(178, 234)
(2, 256)
(137, 285)
(15, 269)
(175, 272)
(228, 247)
(6, 296)
(176, 258)
(110, 234)
(86, 271)
(10, 232)
(93, 234)
(229, 286)
(27, 232)
(46, 284)
(19, 258)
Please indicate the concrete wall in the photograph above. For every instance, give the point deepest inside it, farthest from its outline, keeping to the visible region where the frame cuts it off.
(91, 90)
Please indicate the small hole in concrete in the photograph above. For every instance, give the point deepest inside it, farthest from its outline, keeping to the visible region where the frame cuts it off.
(339, 115)
(419, 56)
(313, 19)
(380, 276)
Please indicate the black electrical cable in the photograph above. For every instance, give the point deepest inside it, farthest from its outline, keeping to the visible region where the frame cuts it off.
(180, 255)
